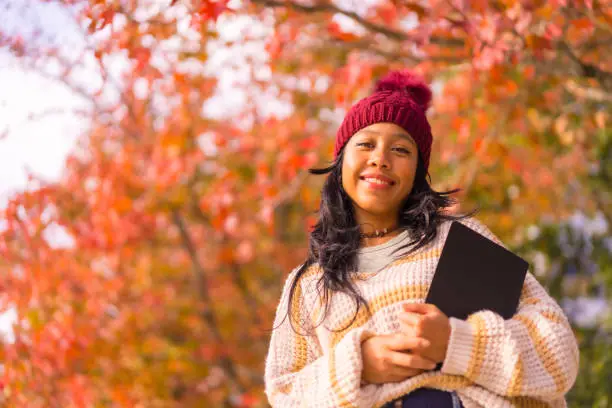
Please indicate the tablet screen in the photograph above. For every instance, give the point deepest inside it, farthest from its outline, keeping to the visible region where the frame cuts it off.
(474, 273)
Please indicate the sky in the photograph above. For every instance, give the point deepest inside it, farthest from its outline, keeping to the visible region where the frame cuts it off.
(39, 145)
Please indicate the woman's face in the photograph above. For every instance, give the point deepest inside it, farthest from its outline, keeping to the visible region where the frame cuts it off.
(378, 172)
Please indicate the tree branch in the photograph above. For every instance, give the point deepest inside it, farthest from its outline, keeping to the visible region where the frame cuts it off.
(207, 314)
(367, 46)
(291, 190)
(593, 94)
(466, 178)
(588, 70)
(377, 28)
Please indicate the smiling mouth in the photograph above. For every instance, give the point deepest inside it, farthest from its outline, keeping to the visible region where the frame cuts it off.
(375, 181)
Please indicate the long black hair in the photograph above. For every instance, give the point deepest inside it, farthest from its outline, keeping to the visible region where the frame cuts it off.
(334, 240)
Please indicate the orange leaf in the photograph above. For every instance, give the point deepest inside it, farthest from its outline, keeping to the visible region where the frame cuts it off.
(336, 31)
(584, 23)
(309, 143)
(511, 87)
(388, 13)
(122, 204)
(529, 72)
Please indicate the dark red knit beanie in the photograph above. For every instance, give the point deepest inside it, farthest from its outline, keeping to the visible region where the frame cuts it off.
(401, 97)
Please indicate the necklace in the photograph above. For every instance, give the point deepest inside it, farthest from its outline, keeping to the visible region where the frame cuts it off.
(377, 233)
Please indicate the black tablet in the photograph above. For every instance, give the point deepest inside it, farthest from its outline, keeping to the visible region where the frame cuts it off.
(474, 273)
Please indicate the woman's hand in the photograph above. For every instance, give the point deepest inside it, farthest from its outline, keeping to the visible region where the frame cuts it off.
(426, 321)
(393, 358)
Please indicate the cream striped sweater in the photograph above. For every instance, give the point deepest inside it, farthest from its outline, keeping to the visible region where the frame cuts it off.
(530, 360)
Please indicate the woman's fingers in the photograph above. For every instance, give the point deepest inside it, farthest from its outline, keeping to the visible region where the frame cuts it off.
(410, 351)
(401, 373)
(405, 351)
(411, 319)
(411, 361)
(401, 341)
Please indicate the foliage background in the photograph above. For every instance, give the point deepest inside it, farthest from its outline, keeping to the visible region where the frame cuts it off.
(186, 202)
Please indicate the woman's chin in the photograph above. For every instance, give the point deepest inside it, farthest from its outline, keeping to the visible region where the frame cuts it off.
(377, 209)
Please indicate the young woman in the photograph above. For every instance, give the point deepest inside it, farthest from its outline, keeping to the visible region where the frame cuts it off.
(352, 328)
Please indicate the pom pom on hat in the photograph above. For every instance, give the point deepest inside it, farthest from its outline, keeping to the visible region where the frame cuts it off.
(398, 81)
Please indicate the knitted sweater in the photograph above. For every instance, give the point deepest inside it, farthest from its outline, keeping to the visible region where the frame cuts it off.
(530, 360)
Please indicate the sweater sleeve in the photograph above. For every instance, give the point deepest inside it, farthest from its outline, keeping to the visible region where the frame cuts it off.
(533, 354)
(298, 373)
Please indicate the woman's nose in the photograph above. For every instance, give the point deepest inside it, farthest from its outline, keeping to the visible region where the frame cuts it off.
(379, 158)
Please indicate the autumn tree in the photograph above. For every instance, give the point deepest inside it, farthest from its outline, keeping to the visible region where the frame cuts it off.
(187, 200)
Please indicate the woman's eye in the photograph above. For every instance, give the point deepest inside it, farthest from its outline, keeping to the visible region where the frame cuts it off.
(364, 144)
(369, 145)
(402, 150)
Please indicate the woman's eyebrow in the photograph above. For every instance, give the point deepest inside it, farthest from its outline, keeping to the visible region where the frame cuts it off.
(401, 135)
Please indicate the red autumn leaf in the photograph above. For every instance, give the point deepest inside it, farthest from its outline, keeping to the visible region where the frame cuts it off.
(387, 12)
(210, 10)
(273, 46)
(336, 31)
(309, 143)
(141, 55)
(584, 23)
(552, 31)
